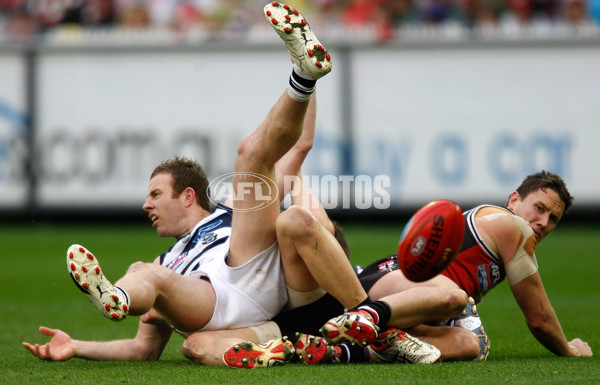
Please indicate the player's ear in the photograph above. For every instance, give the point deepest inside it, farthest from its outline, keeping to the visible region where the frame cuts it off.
(189, 196)
(512, 199)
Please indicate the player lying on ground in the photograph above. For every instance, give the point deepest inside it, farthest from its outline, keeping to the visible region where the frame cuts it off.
(208, 280)
(239, 347)
(392, 346)
(208, 347)
(499, 241)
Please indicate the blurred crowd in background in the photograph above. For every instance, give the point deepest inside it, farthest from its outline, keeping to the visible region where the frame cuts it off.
(27, 20)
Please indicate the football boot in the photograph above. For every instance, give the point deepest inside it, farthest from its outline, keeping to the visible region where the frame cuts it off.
(252, 355)
(305, 49)
(85, 271)
(395, 345)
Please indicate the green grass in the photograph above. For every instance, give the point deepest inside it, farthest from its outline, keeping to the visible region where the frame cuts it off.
(37, 291)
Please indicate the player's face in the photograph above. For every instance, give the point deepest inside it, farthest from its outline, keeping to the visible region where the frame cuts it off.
(164, 210)
(542, 209)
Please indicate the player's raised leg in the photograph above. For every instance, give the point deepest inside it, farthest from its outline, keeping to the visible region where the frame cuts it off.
(279, 131)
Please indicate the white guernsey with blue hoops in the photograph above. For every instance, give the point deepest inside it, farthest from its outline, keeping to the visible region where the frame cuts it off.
(247, 295)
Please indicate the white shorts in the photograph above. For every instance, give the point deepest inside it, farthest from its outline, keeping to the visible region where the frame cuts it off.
(247, 295)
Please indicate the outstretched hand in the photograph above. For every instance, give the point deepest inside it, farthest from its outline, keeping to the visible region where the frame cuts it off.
(60, 347)
(581, 347)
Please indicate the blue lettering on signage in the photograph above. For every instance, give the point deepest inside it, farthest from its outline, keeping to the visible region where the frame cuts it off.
(450, 159)
(12, 146)
(92, 154)
(324, 146)
(13, 117)
(555, 151)
(390, 158)
(506, 145)
(510, 158)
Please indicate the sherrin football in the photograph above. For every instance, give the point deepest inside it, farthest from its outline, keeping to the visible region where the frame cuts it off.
(430, 240)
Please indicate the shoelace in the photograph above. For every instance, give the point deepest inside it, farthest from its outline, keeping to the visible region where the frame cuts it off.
(412, 345)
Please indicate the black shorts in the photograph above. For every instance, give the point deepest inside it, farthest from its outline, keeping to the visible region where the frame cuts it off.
(373, 273)
(309, 318)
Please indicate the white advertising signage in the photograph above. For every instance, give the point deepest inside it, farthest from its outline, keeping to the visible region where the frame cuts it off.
(105, 121)
(460, 123)
(14, 184)
(470, 124)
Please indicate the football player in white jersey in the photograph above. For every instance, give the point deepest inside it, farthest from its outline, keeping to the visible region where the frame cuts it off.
(218, 276)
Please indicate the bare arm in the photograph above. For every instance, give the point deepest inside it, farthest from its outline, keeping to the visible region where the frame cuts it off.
(542, 320)
(147, 345)
(505, 236)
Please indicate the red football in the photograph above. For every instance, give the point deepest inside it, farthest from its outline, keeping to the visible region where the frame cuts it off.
(430, 240)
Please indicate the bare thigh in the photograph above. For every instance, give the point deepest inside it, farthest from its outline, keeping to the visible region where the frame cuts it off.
(396, 282)
(190, 302)
(186, 303)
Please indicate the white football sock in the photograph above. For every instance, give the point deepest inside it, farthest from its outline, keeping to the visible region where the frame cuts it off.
(301, 86)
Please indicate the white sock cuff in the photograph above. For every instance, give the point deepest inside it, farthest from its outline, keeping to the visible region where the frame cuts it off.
(300, 88)
(124, 295)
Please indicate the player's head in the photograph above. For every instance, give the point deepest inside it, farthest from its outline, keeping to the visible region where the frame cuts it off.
(541, 200)
(341, 238)
(186, 173)
(546, 180)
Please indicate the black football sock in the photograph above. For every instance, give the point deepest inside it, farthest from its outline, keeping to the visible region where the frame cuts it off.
(380, 311)
(351, 353)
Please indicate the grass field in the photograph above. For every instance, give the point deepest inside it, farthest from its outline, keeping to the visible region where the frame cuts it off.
(37, 291)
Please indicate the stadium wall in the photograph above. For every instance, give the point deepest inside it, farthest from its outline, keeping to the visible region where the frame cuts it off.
(81, 127)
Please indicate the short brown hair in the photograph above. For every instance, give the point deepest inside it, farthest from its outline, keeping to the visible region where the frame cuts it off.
(341, 238)
(186, 173)
(544, 180)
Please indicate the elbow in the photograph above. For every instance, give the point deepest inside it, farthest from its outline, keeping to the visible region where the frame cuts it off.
(538, 324)
(154, 356)
(303, 146)
(142, 352)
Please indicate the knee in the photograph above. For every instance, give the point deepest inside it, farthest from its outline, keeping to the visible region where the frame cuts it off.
(250, 152)
(453, 301)
(457, 344)
(138, 267)
(460, 299)
(245, 147)
(295, 222)
(469, 345)
(147, 270)
(193, 348)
